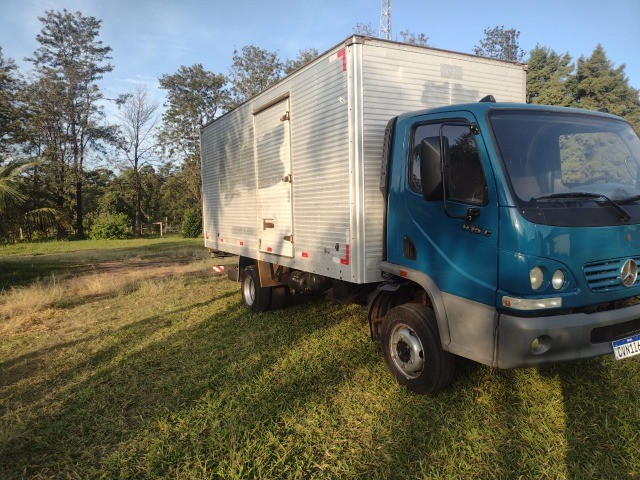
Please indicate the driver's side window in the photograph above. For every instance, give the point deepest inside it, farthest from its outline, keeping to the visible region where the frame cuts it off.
(465, 181)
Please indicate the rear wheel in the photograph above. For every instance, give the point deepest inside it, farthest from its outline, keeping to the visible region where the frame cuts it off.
(278, 297)
(255, 297)
(412, 349)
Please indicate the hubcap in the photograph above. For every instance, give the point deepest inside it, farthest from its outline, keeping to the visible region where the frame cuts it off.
(249, 290)
(406, 351)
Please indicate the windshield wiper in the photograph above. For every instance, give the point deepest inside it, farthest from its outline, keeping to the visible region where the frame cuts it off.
(627, 200)
(624, 215)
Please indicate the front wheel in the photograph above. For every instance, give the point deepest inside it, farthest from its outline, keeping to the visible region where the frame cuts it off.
(412, 349)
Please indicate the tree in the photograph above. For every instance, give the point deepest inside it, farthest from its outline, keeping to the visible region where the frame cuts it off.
(550, 78)
(174, 203)
(194, 98)
(120, 194)
(501, 44)
(16, 218)
(302, 58)
(10, 85)
(253, 71)
(45, 136)
(365, 29)
(599, 85)
(137, 142)
(414, 39)
(71, 57)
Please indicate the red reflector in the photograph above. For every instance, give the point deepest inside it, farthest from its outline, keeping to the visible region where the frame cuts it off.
(269, 249)
(305, 255)
(343, 54)
(403, 273)
(241, 244)
(347, 256)
(222, 240)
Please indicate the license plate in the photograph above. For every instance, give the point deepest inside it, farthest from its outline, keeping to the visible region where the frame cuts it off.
(626, 347)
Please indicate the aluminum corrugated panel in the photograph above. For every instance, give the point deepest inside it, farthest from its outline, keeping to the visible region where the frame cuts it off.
(340, 105)
(320, 166)
(229, 184)
(321, 158)
(273, 159)
(401, 78)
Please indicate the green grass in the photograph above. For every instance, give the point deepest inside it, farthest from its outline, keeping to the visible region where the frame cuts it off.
(174, 379)
(24, 263)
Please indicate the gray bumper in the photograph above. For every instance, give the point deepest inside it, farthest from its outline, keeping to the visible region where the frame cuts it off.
(563, 337)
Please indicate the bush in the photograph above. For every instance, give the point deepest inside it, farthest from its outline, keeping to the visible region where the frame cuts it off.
(191, 224)
(111, 226)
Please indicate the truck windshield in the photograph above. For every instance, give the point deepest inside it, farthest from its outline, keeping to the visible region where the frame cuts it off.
(567, 161)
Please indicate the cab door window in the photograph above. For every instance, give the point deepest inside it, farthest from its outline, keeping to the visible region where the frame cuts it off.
(464, 176)
(466, 182)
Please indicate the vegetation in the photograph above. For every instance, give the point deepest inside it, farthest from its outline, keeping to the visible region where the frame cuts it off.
(137, 142)
(592, 83)
(110, 226)
(88, 166)
(191, 224)
(500, 43)
(135, 362)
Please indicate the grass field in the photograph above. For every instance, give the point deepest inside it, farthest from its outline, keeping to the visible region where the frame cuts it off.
(131, 360)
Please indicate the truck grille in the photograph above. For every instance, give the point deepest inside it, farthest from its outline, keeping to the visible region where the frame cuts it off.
(604, 276)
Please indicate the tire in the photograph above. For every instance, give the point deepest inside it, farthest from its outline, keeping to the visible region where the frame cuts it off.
(278, 297)
(412, 349)
(254, 297)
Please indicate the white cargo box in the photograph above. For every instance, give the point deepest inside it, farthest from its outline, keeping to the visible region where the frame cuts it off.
(292, 176)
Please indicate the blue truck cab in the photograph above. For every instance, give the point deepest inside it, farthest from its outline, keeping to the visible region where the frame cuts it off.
(519, 225)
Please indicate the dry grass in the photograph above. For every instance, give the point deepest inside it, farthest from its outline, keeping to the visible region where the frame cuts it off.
(24, 308)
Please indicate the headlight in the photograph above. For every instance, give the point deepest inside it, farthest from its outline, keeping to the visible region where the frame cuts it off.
(537, 277)
(558, 279)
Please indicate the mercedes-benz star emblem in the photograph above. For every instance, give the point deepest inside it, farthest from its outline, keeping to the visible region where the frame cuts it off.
(629, 273)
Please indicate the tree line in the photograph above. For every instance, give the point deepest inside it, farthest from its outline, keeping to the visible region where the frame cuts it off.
(69, 171)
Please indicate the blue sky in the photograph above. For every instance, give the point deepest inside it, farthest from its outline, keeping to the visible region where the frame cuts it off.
(153, 37)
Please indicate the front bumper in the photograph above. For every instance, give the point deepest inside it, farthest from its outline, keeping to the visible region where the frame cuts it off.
(561, 337)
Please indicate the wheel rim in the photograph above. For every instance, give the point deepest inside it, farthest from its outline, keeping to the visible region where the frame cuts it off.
(249, 290)
(406, 351)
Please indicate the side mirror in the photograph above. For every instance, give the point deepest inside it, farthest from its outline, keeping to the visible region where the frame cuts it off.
(431, 168)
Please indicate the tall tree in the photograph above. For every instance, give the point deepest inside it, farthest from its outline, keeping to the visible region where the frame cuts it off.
(71, 55)
(10, 85)
(194, 98)
(500, 43)
(414, 38)
(600, 85)
(303, 57)
(253, 70)
(138, 120)
(46, 136)
(550, 79)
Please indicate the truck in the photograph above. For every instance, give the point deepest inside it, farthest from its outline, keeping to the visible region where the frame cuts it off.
(502, 232)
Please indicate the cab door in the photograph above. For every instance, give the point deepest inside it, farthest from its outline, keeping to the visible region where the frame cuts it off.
(453, 237)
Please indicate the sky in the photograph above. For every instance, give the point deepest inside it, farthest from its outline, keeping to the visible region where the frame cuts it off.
(150, 38)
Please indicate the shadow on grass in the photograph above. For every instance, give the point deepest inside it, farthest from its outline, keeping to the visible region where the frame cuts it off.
(602, 408)
(229, 394)
(154, 369)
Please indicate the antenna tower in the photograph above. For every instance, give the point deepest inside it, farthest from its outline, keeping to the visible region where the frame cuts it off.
(385, 20)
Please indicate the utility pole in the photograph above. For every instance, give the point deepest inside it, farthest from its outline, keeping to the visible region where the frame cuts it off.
(385, 20)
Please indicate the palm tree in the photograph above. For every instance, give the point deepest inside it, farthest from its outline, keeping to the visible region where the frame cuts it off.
(13, 218)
